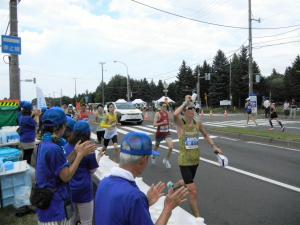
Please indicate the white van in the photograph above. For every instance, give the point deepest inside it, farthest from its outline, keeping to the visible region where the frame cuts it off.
(127, 113)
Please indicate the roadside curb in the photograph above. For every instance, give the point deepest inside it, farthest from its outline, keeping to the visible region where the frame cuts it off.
(245, 137)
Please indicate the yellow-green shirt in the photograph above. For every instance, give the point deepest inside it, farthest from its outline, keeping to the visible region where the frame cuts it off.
(189, 151)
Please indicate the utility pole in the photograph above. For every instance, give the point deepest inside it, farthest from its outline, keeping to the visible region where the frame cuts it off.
(102, 83)
(230, 94)
(14, 70)
(75, 90)
(60, 100)
(198, 87)
(250, 69)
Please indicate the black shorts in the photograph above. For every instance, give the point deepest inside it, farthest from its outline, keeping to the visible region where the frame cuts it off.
(114, 140)
(273, 115)
(100, 135)
(188, 173)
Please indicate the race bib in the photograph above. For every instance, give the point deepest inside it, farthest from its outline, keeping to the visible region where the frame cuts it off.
(164, 129)
(191, 142)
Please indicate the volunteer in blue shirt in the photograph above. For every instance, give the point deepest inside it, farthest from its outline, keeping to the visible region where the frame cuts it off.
(53, 171)
(69, 127)
(27, 131)
(118, 199)
(81, 184)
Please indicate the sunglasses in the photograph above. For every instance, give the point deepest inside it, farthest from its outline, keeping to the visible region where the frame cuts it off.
(190, 108)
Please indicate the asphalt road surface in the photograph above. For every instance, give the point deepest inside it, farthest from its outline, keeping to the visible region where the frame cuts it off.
(261, 185)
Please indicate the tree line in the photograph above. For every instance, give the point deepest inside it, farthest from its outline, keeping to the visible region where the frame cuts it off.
(275, 85)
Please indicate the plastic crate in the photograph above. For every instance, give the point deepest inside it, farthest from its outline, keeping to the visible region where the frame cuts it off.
(16, 188)
(10, 154)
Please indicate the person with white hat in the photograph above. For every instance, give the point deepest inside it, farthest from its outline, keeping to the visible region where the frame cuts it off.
(119, 201)
(248, 108)
(188, 130)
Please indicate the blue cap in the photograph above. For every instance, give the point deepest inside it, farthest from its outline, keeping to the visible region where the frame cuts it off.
(82, 127)
(26, 105)
(70, 122)
(137, 143)
(54, 117)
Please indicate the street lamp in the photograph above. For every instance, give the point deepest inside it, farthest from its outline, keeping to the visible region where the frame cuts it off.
(102, 83)
(165, 88)
(128, 86)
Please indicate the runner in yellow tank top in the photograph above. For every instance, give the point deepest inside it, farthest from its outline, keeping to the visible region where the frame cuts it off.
(188, 130)
(110, 125)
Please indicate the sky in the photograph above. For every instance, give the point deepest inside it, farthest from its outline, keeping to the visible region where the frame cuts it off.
(63, 41)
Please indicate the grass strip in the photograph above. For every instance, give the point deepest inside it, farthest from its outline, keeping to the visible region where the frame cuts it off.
(275, 134)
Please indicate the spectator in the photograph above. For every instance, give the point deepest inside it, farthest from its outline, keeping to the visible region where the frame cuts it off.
(69, 127)
(27, 131)
(53, 171)
(119, 200)
(70, 111)
(81, 184)
(267, 108)
(293, 109)
(286, 108)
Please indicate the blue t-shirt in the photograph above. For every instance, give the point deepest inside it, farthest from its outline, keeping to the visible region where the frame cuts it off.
(51, 161)
(120, 202)
(27, 129)
(81, 184)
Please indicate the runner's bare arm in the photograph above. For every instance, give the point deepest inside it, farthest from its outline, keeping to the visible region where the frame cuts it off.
(156, 118)
(215, 148)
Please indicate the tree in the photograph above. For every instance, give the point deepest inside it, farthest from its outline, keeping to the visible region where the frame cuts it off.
(116, 88)
(219, 85)
(292, 80)
(275, 84)
(186, 82)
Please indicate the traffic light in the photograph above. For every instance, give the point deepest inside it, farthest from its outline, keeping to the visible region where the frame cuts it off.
(34, 80)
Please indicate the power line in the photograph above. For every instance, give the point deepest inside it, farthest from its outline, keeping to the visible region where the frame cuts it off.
(262, 42)
(277, 34)
(282, 43)
(210, 23)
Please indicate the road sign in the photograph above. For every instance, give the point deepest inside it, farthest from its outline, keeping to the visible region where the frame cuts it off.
(11, 45)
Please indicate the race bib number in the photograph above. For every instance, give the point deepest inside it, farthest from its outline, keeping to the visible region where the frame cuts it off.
(191, 142)
(164, 129)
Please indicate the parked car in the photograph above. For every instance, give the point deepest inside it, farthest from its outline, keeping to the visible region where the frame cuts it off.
(127, 113)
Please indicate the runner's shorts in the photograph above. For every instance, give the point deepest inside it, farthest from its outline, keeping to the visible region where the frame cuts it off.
(188, 173)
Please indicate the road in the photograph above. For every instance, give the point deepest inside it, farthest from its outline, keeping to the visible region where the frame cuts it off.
(261, 186)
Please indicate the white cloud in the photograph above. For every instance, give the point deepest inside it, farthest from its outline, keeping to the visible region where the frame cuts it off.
(66, 39)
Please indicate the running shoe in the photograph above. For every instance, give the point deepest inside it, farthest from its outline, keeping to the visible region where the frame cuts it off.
(282, 129)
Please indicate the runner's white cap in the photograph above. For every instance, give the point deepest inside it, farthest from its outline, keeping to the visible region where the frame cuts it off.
(223, 160)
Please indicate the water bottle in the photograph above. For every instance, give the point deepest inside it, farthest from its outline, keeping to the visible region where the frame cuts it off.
(170, 185)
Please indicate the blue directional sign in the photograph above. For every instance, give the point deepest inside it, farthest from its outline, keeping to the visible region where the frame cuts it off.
(11, 44)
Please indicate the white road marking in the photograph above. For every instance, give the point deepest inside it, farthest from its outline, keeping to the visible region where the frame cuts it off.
(136, 130)
(231, 139)
(275, 146)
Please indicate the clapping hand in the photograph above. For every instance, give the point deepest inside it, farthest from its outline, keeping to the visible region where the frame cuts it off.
(155, 192)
